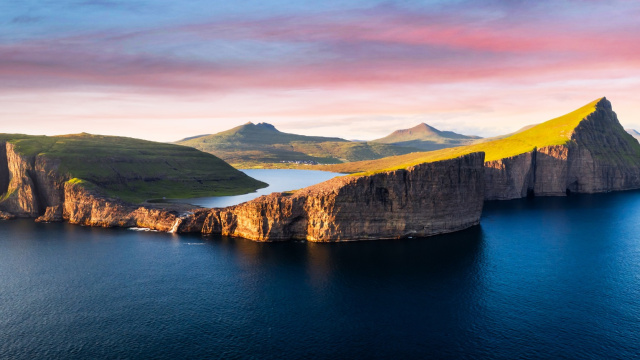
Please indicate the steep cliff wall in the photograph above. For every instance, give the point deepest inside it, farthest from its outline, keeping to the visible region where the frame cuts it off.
(82, 206)
(599, 157)
(33, 187)
(423, 200)
(606, 157)
(510, 178)
(4, 168)
(20, 198)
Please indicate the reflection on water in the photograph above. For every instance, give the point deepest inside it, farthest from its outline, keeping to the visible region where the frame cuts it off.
(279, 180)
(539, 278)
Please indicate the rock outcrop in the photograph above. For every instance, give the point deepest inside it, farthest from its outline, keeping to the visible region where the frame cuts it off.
(84, 207)
(35, 188)
(599, 157)
(423, 200)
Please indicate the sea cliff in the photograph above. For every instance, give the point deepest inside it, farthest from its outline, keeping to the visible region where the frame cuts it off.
(423, 200)
(33, 187)
(600, 156)
(586, 151)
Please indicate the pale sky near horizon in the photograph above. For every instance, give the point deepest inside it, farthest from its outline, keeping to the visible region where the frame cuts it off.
(164, 70)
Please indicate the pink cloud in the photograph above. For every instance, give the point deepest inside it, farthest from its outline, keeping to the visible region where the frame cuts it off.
(373, 49)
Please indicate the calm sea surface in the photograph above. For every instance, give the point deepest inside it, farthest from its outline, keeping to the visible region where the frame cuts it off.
(546, 278)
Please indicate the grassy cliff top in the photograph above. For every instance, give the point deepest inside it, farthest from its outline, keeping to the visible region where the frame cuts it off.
(135, 170)
(557, 131)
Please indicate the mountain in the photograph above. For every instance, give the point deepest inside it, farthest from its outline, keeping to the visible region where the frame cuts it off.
(584, 151)
(125, 168)
(427, 138)
(256, 145)
(633, 133)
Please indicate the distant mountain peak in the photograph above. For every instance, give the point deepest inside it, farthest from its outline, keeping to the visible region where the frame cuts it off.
(420, 128)
(426, 137)
(267, 126)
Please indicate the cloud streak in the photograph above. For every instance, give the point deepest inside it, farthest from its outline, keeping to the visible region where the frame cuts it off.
(393, 47)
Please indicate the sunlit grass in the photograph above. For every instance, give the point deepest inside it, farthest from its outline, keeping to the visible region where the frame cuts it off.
(553, 132)
(136, 170)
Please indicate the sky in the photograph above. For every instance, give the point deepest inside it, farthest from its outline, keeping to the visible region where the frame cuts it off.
(164, 70)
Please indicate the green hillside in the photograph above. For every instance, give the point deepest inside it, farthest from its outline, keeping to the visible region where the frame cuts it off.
(553, 132)
(136, 170)
(260, 145)
(425, 137)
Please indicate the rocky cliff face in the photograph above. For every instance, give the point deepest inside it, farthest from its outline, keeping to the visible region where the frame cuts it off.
(510, 178)
(423, 200)
(20, 196)
(83, 207)
(32, 187)
(599, 157)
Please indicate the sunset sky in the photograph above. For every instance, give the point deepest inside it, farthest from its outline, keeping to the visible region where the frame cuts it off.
(163, 70)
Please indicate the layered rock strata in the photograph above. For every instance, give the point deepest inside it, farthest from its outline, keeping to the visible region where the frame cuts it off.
(423, 200)
(600, 156)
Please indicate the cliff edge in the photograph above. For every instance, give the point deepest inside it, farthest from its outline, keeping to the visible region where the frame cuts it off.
(598, 156)
(422, 200)
(97, 180)
(584, 151)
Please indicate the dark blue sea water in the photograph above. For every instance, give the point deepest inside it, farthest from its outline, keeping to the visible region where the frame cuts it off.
(546, 278)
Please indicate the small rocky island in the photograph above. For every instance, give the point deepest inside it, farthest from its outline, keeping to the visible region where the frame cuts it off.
(418, 194)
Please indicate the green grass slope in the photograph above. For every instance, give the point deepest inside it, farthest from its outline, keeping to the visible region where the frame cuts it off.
(260, 145)
(136, 170)
(427, 138)
(553, 132)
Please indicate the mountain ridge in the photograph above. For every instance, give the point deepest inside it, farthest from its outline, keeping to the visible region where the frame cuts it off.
(426, 137)
(263, 145)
